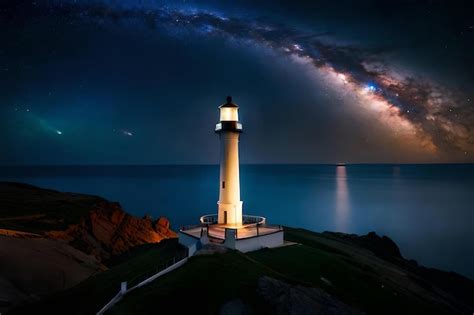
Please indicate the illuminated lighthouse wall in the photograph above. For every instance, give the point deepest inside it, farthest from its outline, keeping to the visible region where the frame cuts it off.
(229, 129)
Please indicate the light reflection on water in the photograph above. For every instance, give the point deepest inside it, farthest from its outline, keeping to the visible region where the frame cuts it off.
(342, 199)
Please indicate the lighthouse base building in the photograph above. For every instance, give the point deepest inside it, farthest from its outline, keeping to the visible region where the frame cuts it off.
(249, 237)
(230, 227)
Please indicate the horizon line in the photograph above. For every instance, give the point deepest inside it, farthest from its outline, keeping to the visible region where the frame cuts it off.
(248, 164)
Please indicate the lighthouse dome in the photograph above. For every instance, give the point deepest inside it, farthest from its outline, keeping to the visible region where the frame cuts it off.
(229, 103)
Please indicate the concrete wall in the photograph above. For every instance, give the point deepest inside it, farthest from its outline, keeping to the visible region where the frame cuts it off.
(259, 242)
(186, 240)
(229, 238)
(243, 245)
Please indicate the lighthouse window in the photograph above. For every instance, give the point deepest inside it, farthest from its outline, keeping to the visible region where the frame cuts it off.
(229, 114)
(223, 184)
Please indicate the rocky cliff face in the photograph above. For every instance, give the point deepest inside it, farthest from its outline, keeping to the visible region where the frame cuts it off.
(51, 240)
(88, 223)
(107, 230)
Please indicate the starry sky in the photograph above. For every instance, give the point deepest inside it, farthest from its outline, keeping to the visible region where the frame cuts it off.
(139, 82)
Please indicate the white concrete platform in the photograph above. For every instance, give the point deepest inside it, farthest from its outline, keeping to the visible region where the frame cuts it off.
(244, 238)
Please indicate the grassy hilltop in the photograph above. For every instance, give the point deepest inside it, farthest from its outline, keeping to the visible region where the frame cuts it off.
(27, 208)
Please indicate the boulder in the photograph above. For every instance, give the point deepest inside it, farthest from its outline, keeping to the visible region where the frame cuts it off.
(285, 298)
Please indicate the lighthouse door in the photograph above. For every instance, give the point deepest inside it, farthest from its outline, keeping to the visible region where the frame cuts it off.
(225, 217)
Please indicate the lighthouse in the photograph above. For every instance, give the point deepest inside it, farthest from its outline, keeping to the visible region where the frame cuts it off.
(229, 227)
(229, 128)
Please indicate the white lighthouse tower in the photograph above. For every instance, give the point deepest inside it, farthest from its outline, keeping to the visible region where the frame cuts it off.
(229, 129)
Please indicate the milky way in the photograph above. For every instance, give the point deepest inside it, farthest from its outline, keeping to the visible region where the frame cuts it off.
(404, 113)
(414, 108)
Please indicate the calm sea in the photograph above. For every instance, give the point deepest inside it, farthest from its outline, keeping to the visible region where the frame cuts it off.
(428, 210)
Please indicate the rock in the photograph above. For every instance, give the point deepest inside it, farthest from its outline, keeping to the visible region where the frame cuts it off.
(107, 230)
(162, 226)
(88, 223)
(285, 298)
(381, 246)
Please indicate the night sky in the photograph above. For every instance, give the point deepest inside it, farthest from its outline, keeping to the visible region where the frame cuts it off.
(139, 82)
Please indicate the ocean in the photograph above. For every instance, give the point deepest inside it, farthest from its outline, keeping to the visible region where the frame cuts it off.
(428, 210)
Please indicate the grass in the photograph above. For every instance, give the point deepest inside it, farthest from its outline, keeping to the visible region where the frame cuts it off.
(207, 282)
(353, 284)
(201, 285)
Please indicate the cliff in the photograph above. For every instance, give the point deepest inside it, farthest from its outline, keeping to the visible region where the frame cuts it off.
(90, 224)
(51, 240)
